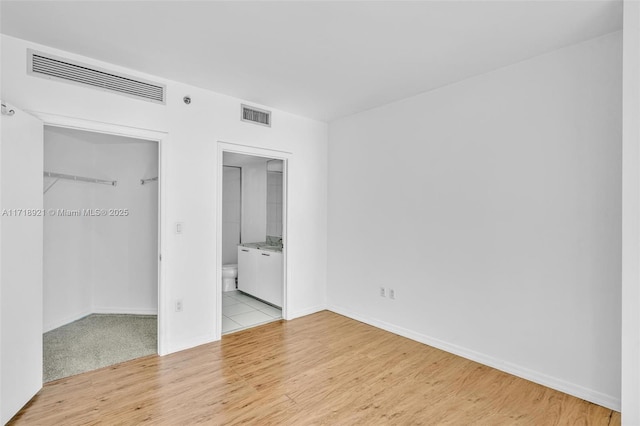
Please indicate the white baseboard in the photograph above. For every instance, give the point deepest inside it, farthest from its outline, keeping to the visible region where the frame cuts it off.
(104, 310)
(59, 322)
(305, 312)
(188, 343)
(210, 338)
(578, 391)
(71, 318)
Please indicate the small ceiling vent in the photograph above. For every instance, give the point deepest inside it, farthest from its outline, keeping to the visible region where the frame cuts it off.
(256, 115)
(61, 69)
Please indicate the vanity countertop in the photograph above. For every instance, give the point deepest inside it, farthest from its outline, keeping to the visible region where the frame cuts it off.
(263, 246)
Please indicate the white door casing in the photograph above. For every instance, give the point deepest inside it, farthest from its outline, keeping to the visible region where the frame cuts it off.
(160, 137)
(287, 158)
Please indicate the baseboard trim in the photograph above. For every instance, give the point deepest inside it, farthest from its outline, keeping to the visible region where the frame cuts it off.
(182, 345)
(66, 320)
(578, 391)
(75, 317)
(125, 311)
(305, 312)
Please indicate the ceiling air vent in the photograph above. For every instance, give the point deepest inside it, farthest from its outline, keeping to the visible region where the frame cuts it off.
(256, 115)
(61, 69)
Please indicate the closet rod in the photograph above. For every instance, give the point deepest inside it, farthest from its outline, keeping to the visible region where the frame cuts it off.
(80, 178)
(143, 181)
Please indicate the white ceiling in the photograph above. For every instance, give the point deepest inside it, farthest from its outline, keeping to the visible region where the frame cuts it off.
(318, 59)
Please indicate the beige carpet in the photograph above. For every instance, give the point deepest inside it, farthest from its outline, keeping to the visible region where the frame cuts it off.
(97, 341)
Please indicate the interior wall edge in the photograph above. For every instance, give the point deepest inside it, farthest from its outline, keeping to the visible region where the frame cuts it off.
(631, 216)
(573, 389)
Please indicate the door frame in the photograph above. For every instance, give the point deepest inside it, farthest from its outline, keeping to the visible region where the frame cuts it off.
(160, 137)
(255, 151)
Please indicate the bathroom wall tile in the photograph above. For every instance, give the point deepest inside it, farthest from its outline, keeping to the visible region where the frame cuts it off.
(274, 203)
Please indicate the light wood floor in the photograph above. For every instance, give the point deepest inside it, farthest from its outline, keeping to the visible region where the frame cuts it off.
(320, 369)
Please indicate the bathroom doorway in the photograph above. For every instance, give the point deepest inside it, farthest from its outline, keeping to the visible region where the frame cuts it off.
(251, 236)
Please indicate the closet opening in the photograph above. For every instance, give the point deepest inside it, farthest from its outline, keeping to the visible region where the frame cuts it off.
(252, 237)
(101, 250)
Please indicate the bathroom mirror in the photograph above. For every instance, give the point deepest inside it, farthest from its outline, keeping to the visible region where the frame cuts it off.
(274, 198)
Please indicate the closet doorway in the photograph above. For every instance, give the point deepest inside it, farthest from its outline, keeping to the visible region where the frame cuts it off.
(101, 250)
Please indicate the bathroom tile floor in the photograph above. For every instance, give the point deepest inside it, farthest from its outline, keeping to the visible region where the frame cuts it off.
(240, 311)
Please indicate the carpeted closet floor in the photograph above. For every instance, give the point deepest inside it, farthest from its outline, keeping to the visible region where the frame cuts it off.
(97, 341)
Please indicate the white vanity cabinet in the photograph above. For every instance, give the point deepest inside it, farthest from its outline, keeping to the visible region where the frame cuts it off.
(260, 274)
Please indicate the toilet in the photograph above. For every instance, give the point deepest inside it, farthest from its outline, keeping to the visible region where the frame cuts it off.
(229, 274)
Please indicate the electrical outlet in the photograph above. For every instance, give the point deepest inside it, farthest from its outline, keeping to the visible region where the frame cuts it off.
(179, 305)
(383, 292)
(392, 294)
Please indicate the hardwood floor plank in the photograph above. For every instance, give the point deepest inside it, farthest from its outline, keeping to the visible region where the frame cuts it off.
(616, 419)
(322, 369)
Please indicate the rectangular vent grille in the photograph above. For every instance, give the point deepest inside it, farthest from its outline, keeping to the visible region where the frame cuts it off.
(55, 68)
(256, 115)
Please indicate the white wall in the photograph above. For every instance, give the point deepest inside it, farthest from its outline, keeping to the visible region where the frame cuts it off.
(492, 206)
(231, 213)
(631, 217)
(253, 194)
(100, 264)
(274, 203)
(190, 181)
(68, 241)
(254, 201)
(125, 248)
